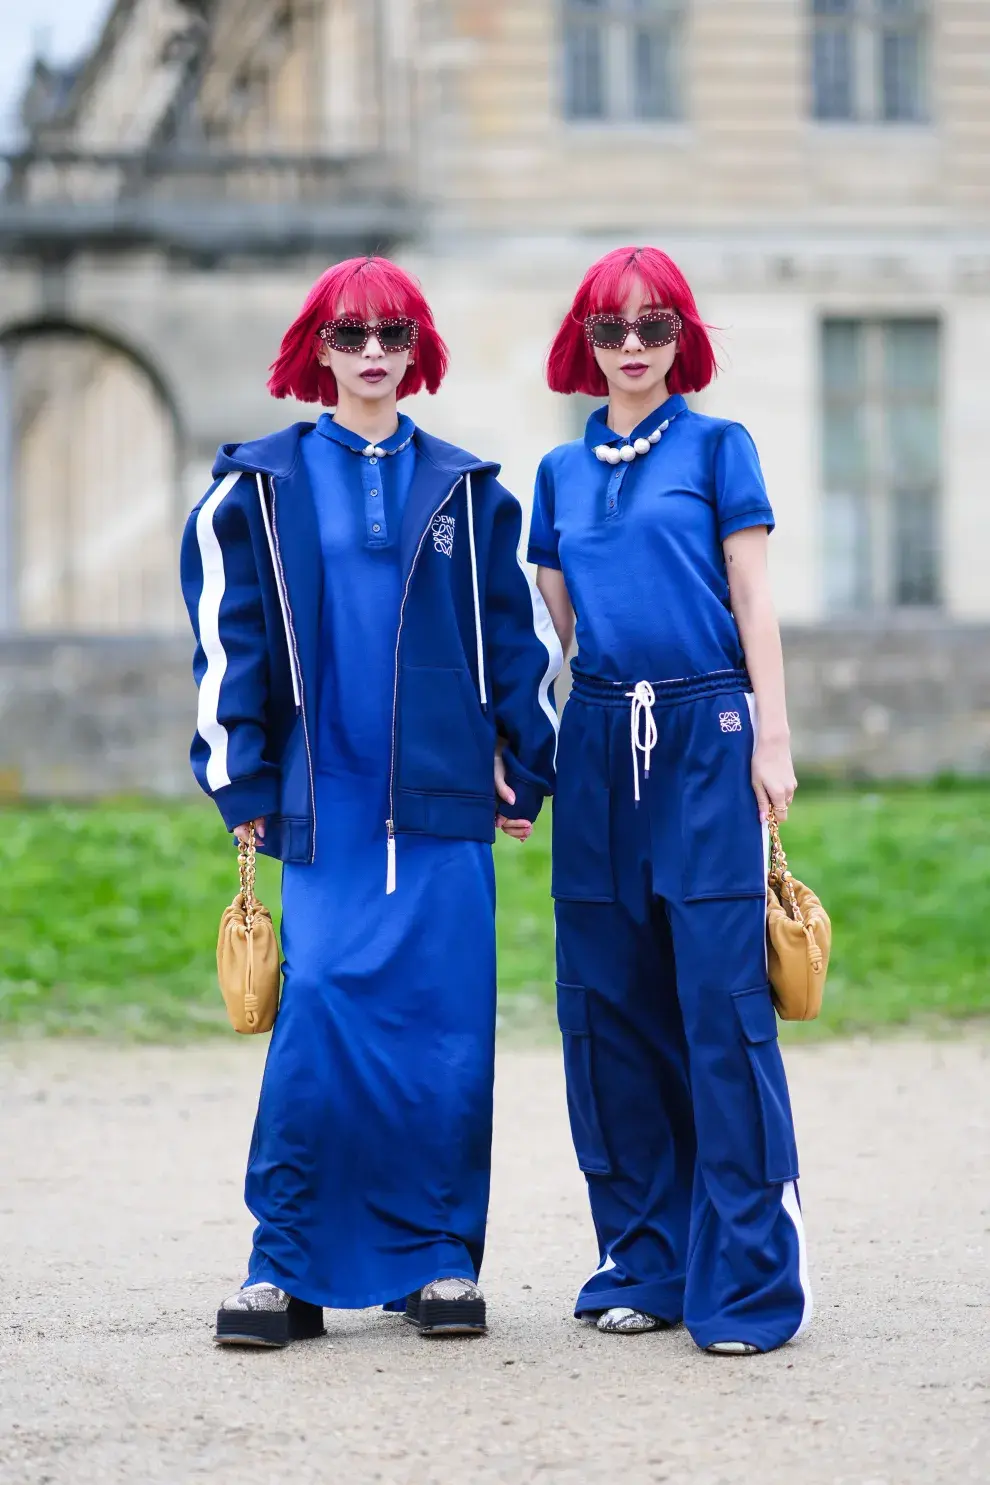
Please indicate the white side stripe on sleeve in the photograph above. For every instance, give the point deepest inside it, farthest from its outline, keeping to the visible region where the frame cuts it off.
(547, 634)
(208, 725)
(479, 639)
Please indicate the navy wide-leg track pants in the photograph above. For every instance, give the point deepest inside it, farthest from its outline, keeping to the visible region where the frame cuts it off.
(675, 1084)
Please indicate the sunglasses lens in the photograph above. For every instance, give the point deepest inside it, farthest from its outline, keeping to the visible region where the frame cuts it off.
(349, 335)
(396, 336)
(657, 330)
(609, 333)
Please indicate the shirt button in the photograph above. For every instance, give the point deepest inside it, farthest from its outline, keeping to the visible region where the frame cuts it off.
(372, 461)
(611, 504)
(376, 528)
(373, 494)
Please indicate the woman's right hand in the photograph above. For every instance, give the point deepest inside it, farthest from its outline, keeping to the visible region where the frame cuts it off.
(241, 832)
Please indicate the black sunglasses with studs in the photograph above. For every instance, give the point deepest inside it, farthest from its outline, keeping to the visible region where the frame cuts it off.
(658, 327)
(396, 333)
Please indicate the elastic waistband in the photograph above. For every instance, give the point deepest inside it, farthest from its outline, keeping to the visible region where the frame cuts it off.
(593, 689)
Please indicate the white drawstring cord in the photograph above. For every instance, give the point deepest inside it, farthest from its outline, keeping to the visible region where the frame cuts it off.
(641, 710)
(477, 601)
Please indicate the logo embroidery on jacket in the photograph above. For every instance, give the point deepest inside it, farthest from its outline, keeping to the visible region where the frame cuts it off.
(443, 535)
(730, 721)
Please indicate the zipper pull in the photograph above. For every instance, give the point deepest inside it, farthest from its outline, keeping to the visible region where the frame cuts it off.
(390, 849)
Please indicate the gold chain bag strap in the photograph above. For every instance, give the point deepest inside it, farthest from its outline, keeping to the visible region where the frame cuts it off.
(248, 960)
(799, 938)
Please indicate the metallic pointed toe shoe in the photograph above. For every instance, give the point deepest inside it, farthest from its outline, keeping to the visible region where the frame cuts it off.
(448, 1307)
(732, 1348)
(621, 1321)
(264, 1315)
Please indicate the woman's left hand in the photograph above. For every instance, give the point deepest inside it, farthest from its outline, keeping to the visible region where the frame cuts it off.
(518, 829)
(773, 776)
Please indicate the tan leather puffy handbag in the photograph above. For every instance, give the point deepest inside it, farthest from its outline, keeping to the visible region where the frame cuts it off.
(799, 938)
(248, 960)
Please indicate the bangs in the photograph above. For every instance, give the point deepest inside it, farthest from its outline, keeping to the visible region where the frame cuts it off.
(367, 287)
(619, 273)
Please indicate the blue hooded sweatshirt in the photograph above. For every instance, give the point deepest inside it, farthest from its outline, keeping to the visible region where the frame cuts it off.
(476, 654)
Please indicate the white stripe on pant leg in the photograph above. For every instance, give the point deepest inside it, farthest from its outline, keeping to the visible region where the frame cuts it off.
(755, 719)
(788, 1194)
(789, 1201)
(606, 1266)
(765, 829)
(208, 724)
(547, 635)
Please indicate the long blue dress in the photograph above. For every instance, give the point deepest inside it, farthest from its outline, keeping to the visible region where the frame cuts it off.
(369, 1164)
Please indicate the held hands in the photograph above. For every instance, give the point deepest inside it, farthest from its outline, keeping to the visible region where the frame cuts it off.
(241, 832)
(518, 829)
(773, 776)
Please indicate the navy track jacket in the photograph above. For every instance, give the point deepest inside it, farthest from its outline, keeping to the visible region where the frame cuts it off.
(476, 653)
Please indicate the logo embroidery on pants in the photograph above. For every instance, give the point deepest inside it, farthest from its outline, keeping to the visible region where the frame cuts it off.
(443, 535)
(730, 721)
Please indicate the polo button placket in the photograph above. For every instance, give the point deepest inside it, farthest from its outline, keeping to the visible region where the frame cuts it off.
(374, 506)
(612, 490)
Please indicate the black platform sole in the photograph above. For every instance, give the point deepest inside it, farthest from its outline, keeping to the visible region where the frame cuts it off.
(447, 1316)
(271, 1328)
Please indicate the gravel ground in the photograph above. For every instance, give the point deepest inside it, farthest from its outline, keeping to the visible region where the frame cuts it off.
(121, 1228)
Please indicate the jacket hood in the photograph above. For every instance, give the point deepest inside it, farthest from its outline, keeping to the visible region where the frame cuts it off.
(276, 454)
(449, 458)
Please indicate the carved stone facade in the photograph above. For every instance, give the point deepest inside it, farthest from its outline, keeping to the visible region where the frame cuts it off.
(213, 155)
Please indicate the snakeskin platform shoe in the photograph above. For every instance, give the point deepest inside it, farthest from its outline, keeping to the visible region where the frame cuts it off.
(264, 1315)
(448, 1307)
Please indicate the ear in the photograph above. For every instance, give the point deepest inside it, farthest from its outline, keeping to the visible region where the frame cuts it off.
(323, 353)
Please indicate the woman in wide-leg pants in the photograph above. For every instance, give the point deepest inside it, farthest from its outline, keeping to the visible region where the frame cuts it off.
(652, 530)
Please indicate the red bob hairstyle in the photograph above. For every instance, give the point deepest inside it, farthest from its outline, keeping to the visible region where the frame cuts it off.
(571, 364)
(360, 287)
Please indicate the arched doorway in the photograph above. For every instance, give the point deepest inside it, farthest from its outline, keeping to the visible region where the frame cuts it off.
(91, 464)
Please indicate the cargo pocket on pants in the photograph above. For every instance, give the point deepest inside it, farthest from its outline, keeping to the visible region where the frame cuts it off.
(582, 1104)
(759, 1028)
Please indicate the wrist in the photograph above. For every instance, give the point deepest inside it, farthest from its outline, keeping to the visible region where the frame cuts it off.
(774, 737)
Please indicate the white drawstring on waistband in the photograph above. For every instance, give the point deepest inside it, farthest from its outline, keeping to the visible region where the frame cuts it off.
(479, 639)
(641, 711)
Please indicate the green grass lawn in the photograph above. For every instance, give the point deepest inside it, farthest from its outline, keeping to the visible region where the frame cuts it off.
(111, 911)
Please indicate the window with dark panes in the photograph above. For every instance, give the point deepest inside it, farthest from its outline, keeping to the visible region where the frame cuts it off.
(870, 60)
(880, 448)
(622, 59)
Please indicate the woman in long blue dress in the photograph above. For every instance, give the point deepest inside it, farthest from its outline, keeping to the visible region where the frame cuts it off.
(367, 642)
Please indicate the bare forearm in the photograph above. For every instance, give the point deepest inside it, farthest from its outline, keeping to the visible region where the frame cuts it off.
(557, 599)
(760, 636)
(752, 606)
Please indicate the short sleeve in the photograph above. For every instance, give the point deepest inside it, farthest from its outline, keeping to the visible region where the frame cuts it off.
(741, 498)
(542, 536)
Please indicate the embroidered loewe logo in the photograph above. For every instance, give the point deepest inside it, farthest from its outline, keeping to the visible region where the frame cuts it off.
(443, 535)
(730, 721)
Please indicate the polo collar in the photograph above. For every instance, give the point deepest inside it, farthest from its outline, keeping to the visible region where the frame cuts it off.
(597, 430)
(336, 434)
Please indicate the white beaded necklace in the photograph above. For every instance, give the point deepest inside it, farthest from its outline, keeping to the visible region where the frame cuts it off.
(375, 451)
(608, 454)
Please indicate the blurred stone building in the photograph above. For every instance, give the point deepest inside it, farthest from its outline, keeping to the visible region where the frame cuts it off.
(818, 168)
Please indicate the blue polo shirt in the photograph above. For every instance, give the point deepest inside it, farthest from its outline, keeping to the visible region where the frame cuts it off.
(359, 503)
(640, 544)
